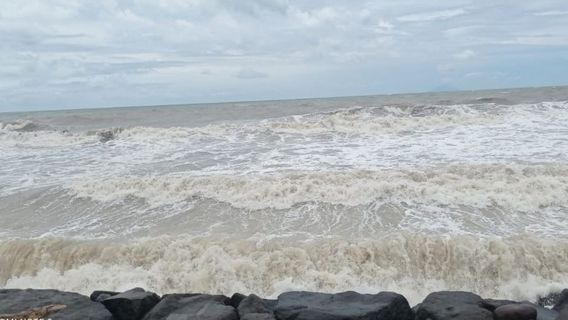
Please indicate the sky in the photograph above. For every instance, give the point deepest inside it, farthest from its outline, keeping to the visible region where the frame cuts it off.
(60, 54)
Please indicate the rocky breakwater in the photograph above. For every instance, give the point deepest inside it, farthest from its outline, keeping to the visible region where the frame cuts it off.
(138, 304)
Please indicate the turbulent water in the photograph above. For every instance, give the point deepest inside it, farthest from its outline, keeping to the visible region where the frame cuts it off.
(411, 193)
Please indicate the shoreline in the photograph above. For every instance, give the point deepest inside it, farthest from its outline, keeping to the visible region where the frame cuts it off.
(139, 304)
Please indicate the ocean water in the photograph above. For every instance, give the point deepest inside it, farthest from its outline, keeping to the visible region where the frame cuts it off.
(409, 193)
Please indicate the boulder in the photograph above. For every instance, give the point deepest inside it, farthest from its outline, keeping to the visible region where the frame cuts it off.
(236, 299)
(542, 312)
(301, 305)
(131, 305)
(254, 305)
(35, 313)
(548, 300)
(259, 316)
(106, 135)
(98, 295)
(457, 305)
(492, 304)
(516, 311)
(17, 301)
(563, 314)
(193, 307)
(562, 301)
(545, 313)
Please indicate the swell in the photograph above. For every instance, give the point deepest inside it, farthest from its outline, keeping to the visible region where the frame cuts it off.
(514, 187)
(517, 268)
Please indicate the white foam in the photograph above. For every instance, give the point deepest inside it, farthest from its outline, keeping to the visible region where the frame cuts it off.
(515, 187)
(414, 265)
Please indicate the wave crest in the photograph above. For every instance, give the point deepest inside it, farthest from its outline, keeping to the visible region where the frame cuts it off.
(525, 188)
(516, 268)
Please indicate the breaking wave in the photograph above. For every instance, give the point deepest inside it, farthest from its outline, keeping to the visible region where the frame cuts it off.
(514, 187)
(518, 268)
(356, 120)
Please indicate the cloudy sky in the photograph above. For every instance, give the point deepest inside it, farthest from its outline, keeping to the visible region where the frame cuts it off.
(82, 53)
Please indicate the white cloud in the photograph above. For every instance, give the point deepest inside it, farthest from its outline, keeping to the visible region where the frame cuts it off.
(464, 55)
(71, 46)
(551, 13)
(250, 73)
(432, 16)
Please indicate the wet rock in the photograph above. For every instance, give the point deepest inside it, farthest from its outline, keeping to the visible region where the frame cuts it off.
(562, 301)
(563, 314)
(35, 313)
(105, 136)
(255, 305)
(259, 316)
(515, 311)
(342, 306)
(132, 304)
(548, 300)
(13, 301)
(492, 304)
(98, 295)
(542, 312)
(193, 307)
(456, 305)
(236, 299)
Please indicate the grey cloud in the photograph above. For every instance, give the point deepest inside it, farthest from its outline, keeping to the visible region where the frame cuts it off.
(74, 45)
(249, 73)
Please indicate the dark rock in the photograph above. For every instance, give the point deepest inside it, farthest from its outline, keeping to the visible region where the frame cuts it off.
(132, 304)
(492, 304)
(545, 314)
(342, 306)
(193, 307)
(236, 299)
(542, 312)
(259, 316)
(549, 300)
(98, 295)
(563, 314)
(108, 134)
(35, 313)
(255, 305)
(562, 301)
(456, 305)
(515, 311)
(14, 301)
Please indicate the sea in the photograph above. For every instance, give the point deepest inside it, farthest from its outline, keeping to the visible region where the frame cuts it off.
(412, 193)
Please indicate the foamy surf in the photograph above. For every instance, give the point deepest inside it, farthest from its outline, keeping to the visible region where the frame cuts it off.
(520, 267)
(348, 194)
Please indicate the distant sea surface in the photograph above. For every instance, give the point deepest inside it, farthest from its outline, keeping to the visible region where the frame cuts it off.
(409, 193)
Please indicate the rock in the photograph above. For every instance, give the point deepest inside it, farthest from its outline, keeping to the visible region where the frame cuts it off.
(105, 136)
(98, 295)
(301, 305)
(35, 313)
(236, 299)
(492, 304)
(255, 305)
(259, 316)
(132, 304)
(456, 305)
(562, 301)
(13, 301)
(563, 314)
(515, 311)
(549, 300)
(545, 314)
(193, 307)
(542, 312)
